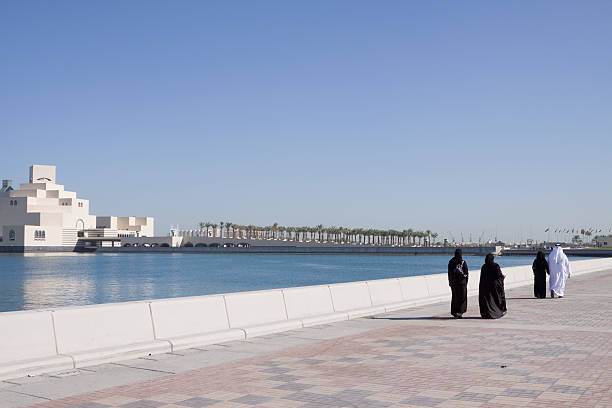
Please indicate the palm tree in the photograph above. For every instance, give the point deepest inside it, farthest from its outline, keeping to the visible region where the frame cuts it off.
(409, 234)
(313, 233)
(319, 229)
(370, 233)
(331, 231)
(325, 236)
(296, 234)
(360, 236)
(274, 230)
(319, 233)
(221, 228)
(421, 236)
(398, 238)
(281, 232)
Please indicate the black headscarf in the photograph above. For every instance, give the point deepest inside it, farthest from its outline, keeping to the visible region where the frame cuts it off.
(459, 254)
(540, 261)
(490, 270)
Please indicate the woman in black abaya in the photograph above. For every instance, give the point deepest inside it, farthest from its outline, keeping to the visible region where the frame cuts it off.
(491, 295)
(457, 280)
(540, 270)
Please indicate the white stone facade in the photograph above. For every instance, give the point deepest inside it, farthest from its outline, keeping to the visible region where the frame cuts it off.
(603, 241)
(42, 214)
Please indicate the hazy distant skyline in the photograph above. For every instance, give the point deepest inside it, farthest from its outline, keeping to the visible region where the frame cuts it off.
(476, 118)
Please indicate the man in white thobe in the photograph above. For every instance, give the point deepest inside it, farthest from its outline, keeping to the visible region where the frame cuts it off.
(559, 267)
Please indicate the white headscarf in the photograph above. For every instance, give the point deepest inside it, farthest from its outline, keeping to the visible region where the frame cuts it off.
(557, 254)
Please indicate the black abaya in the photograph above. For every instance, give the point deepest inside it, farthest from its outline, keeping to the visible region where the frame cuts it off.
(459, 300)
(540, 270)
(458, 280)
(491, 295)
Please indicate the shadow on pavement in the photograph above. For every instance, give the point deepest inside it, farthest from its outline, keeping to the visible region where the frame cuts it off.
(427, 318)
(523, 298)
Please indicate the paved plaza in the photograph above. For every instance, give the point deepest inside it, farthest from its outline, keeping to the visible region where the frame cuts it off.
(544, 353)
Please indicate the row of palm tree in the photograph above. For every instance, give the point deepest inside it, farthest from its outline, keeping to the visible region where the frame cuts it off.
(319, 233)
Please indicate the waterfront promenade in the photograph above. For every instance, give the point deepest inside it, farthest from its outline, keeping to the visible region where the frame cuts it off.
(544, 353)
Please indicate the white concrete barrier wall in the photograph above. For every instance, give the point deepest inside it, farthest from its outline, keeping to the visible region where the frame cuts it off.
(34, 342)
(437, 285)
(414, 289)
(99, 333)
(187, 322)
(27, 345)
(388, 293)
(259, 313)
(385, 292)
(354, 299)
(312, 305)
(517, 275)
(473, 281)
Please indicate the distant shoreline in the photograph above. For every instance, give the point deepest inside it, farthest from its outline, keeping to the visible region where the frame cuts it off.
(589, 253)
(313, 250)
(307, 250)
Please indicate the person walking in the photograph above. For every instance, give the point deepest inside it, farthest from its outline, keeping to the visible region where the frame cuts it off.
(491, 294)
(540, 270)
(458, 280)
(560, 271)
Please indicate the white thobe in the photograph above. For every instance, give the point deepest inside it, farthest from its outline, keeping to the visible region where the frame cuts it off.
(559, 267)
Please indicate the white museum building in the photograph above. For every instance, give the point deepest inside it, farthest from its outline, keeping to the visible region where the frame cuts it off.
(41, 215)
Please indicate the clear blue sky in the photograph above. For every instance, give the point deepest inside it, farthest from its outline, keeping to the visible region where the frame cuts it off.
(454, 116)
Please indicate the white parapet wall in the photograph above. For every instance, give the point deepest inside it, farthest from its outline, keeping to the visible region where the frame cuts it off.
(42, 341)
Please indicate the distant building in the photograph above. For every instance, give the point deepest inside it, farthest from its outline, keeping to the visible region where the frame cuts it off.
(41, 215)
(603, 241)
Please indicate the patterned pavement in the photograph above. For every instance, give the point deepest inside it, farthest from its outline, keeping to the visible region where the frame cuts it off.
(544, 353)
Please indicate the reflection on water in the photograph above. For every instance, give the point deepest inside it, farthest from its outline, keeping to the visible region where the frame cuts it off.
(42, 285)
(33, 281)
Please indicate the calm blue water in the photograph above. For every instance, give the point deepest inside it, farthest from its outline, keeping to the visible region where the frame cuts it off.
(40, 281)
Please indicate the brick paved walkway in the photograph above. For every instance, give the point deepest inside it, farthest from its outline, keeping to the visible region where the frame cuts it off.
(544, 353)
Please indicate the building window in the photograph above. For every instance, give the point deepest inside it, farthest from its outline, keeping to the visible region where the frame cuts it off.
(11, 235)
(40, 234)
